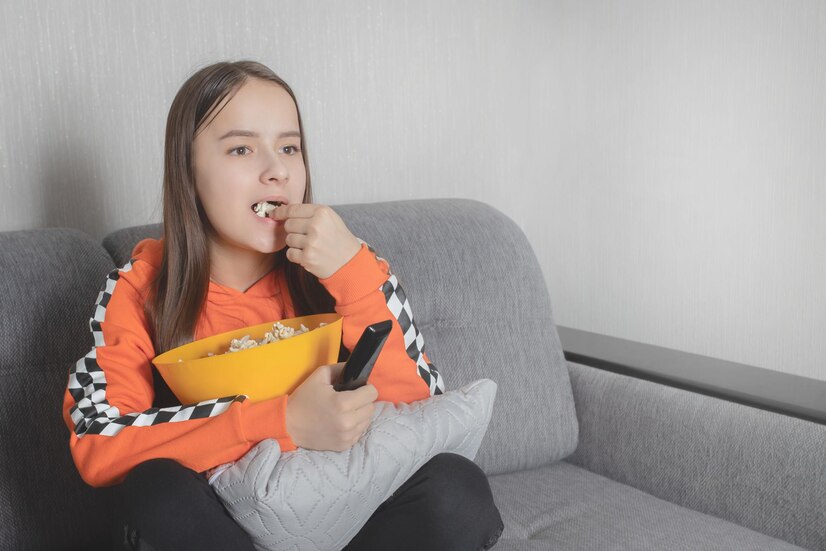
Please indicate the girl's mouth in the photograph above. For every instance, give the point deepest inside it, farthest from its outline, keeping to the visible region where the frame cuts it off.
(264, 208)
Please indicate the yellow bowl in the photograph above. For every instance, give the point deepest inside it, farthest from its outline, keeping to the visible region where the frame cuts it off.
(262, 372)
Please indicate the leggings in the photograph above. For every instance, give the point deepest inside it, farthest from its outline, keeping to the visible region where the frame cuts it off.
(447, 504)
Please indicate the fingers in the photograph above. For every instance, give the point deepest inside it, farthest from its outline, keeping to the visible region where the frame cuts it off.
(298, 230)
(322, 375)
(297, 210)
(316, 237)
(296, 240)
(370, 392)
(364, 425)
(365, 414)
(295, 256)
(349, 400)
(356, 399)
(362, 419)
(335, 370)
(320, 418)
(298, 225)
(328, 374)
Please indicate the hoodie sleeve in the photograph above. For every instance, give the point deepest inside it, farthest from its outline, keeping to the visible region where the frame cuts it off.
(367, 292)
(107, 405)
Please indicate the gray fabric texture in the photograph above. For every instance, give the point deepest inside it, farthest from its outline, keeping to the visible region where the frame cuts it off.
(479, 298)
(50, 280)
(309, 500)
(756, 468)
(564, 507)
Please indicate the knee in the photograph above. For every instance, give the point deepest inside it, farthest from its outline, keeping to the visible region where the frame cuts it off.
(457, 479)
(153, 485)
(173, 507)
(459, 493)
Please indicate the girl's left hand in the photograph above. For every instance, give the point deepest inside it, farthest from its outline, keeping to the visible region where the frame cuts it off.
(317, 238)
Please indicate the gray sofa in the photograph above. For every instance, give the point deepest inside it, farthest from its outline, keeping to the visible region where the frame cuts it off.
(577, 457)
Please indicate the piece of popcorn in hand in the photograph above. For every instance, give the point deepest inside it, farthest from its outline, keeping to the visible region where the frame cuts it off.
(264, 208)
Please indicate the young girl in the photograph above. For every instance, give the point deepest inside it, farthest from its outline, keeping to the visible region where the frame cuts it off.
(234, 139)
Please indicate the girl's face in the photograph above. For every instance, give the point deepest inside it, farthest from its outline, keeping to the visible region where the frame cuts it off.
(250, 152)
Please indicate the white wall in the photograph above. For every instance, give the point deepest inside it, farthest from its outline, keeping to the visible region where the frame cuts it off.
(688, 171)
(664, 158)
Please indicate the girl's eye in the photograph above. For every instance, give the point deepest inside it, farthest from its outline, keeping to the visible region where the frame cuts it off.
(235, 151)
(290, 149)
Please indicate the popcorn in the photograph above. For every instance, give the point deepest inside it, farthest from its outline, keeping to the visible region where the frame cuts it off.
(264, 208)
(279, 333)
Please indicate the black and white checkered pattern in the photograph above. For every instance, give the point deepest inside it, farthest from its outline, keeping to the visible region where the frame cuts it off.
(93, 414)
(399, 306)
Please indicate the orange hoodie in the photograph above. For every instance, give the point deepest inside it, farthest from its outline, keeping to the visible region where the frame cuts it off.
(108, 404)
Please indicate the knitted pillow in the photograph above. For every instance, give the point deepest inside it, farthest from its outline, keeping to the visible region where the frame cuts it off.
(319, 500)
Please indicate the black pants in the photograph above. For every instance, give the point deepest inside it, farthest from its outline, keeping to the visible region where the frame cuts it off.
(447, 504)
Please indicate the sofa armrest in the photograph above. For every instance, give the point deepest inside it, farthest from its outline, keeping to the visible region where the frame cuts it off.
(801, 397)
(754, 467)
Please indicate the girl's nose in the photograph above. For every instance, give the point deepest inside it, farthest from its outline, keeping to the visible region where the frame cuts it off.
(276, 168)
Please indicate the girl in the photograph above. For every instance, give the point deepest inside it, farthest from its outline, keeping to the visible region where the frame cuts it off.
(234, 139)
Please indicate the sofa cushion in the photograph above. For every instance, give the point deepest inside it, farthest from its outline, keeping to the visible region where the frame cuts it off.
(50, 280)
(704, 453)
(562, 506)
(120, 243)
(479, 298)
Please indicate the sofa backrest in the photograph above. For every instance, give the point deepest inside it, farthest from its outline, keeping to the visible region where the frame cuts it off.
(50, 279)
(479, 298)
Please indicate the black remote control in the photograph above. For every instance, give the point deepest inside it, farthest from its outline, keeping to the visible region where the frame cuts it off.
(361, 361)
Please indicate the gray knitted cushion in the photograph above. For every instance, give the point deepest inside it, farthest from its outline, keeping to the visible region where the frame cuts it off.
(318, 500)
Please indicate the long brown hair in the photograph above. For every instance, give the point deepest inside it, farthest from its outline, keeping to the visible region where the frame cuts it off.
(178, 292)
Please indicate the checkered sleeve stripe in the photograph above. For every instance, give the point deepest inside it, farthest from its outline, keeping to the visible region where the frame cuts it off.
(93, 414)
(399, 306)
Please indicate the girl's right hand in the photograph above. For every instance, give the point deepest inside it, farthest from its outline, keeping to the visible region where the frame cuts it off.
(320, 418)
